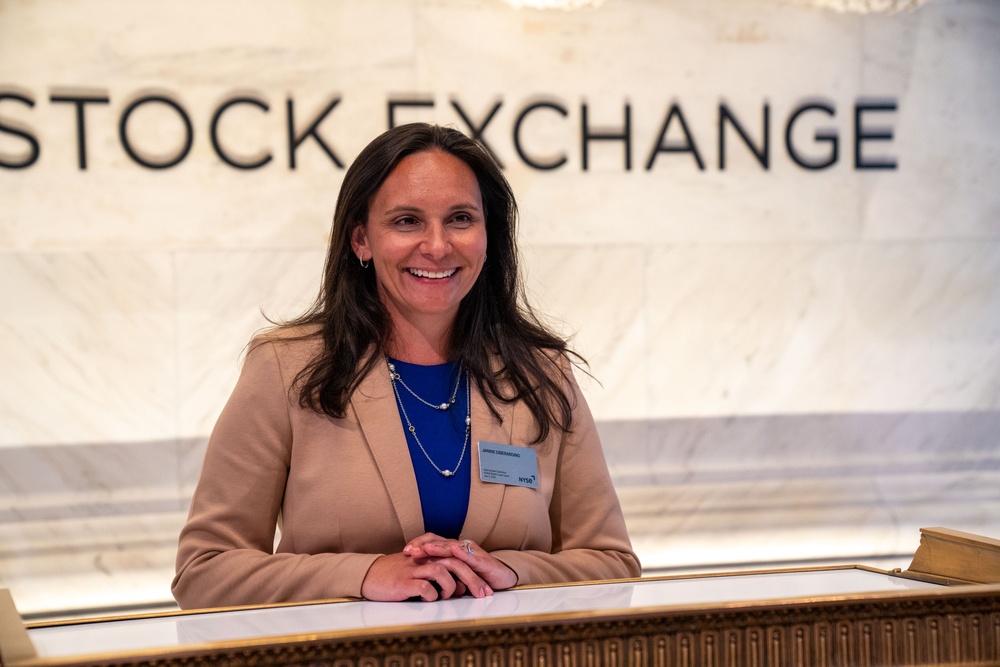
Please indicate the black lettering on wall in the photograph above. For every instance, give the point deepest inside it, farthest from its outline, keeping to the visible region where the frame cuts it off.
(687, 147)
(294, 141)
(477, 130)
(821, 135)
(392, 105)
(530, 161)
(34, 149)
(762, 153)
(586, 136)
(812, 131)
(862, 134)
(167, 161)
(213, 134)
(80, 102)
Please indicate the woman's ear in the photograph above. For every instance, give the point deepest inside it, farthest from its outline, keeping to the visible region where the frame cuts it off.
(359, 243)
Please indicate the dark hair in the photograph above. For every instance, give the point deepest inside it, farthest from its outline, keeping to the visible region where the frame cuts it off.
(494, 320)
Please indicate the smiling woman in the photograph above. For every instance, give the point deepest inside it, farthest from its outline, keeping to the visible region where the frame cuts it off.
(426, 235)
(368, 426)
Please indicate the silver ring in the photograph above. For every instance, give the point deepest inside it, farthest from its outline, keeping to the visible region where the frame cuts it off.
(467, 545)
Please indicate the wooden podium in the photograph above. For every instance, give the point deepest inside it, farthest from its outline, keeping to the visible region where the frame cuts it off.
(850, 615)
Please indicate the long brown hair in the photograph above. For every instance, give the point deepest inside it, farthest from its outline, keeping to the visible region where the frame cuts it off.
(494, 320)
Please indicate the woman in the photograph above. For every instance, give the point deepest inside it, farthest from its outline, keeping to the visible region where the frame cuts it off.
(380, 430)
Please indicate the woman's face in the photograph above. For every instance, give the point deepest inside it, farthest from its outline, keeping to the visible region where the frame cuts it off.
(426, 237)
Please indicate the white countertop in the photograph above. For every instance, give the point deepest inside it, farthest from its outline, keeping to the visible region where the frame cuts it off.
(187, 630)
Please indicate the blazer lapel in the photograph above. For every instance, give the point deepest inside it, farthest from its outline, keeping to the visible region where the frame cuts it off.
(485, 498)
(378, 417)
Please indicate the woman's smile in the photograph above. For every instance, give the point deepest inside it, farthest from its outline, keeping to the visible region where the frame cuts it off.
(435, 275)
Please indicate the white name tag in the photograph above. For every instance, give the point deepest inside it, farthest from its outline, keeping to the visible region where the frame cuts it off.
(506, 464)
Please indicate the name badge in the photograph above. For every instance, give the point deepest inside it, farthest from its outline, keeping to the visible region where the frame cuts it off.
(506, 464)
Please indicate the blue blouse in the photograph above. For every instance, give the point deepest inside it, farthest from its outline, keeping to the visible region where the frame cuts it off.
(444, 501)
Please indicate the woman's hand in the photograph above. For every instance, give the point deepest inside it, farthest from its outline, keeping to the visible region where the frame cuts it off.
(490, 570)
(396, 577)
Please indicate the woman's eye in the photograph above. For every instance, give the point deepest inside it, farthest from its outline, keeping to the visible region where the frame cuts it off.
(406, 221)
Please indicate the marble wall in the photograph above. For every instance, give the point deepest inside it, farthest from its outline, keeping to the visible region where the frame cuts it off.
(794, 364)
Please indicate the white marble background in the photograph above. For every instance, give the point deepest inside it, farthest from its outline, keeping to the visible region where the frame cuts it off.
(794, 365)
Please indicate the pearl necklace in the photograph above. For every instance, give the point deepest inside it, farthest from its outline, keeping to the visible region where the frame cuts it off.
(394, 378)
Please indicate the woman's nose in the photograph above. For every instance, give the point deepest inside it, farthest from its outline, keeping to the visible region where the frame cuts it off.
(436, 242)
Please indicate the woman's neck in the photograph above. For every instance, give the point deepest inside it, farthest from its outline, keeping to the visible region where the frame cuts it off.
(420, 345)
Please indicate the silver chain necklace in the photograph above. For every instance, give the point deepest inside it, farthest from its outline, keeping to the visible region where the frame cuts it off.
(394, 379)
(437, 406)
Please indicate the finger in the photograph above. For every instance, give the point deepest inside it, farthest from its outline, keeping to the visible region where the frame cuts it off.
(415, 546)
(436, 549)
(428, 591)
(447, 586)
(464, 548)
(467, 577)
(492, 571)
(437, 588)
(439, 577)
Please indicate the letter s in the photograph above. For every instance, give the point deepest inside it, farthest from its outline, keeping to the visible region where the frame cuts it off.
(34, 150)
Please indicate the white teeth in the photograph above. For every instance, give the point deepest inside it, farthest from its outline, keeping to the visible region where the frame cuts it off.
(432, 274)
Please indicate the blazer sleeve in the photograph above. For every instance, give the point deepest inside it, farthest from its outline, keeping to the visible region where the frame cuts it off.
(589, 536)
(225, 553)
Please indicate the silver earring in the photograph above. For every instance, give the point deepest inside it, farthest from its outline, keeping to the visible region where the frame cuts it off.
(364, 264)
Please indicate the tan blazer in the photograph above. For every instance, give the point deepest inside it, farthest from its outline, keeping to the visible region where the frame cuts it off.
(344, 493)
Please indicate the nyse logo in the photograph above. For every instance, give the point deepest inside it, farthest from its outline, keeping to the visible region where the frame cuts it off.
(527, 480)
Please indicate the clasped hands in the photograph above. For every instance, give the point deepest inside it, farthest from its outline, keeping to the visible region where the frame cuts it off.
(432, 568)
